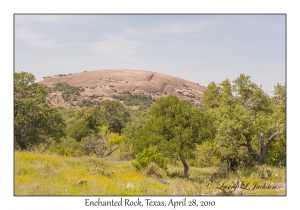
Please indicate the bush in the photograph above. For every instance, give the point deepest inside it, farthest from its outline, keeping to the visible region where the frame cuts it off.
(45, 147)
(264, 172)
(88, 103)
(93, 145)
(148, 156)
(153, 170)
(67, 147)
(67, 90)
(135, 100)
(103, 144)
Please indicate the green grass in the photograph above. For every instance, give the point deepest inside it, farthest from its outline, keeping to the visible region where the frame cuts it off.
(38, 174)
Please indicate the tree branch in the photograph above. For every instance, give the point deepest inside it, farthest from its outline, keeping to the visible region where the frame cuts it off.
(277, 126)
(111, 151)
(243, 145)
(250, 149)
(277, 133)
(271, 138)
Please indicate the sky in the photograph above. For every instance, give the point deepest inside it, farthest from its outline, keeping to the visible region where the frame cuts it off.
(198, 48)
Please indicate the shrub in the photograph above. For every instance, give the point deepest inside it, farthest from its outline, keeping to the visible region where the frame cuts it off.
(103, 144)
(67, 90)
(67, 147)
(93, 145)
(153, 170)
(147, 156)
(135, 100)
(88, 103)
(264, 172)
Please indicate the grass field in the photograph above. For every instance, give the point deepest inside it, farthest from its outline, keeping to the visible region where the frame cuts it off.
(38, 174)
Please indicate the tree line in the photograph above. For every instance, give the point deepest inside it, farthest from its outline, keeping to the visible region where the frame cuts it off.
(236, 123)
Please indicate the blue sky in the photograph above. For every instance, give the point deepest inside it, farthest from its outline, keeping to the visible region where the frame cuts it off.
(199, 48)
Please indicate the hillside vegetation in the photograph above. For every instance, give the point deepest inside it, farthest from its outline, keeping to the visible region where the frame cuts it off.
(136, 89)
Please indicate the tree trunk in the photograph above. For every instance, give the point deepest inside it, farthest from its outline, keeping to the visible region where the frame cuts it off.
(263, 149)
(263, 153)
(185, 165)
(18, 139)
(260, 157)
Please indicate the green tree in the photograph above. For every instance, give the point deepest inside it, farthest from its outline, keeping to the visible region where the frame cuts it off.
(246, 119)
(86, 121)
(78, 130)
(34, 120)
(277, 150)
(139, 120)
(173, 128)
(79, 123)
(110, 113)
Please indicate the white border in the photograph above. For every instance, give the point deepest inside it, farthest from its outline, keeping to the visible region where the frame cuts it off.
(8, 8)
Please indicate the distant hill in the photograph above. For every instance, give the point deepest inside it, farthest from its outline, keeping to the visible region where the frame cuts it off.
(127, 86)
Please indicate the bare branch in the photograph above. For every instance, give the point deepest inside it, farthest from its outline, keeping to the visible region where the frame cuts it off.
(277, 126)
(111, 151)
(271, 138)
(278, 133)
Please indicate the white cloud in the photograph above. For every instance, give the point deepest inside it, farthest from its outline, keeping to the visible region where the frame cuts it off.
(34, 39)
(56, 31)
(117, 46)
(179, 28)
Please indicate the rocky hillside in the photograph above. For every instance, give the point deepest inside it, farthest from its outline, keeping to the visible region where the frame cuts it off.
(93, 86)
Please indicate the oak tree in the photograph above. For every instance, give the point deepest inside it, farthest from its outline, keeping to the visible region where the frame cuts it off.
(246, 119)
(173, 127)
(34, 119)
